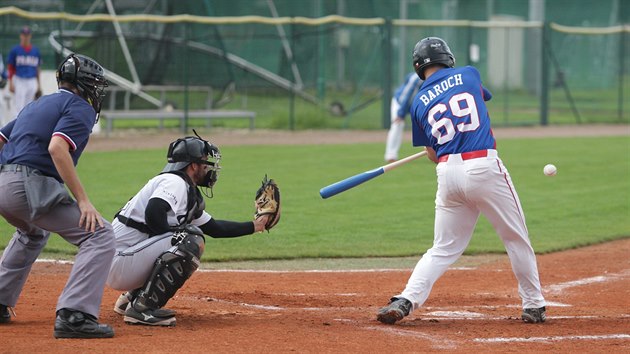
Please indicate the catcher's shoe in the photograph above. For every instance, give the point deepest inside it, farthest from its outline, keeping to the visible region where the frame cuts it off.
(125, 298)
(149, 317)
(395, 311)
(77, 324)
(5, 315)
(121, 304)
(534, 315)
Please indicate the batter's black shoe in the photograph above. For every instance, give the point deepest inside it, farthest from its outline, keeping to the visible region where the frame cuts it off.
(5, 315)
(149, 317)
(395, 311)
(77, 324)
(534, 315)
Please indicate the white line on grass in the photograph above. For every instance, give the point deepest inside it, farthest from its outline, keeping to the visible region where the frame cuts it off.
(315, 270)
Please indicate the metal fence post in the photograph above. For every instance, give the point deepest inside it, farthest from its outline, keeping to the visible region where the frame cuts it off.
(622, 55)
(387, 71)
(544, 73)
(186, 78)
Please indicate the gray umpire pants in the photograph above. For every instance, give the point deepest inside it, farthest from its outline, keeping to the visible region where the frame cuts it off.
(84, 288)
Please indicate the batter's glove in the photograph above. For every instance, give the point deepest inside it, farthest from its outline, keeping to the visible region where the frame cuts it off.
(268, 202)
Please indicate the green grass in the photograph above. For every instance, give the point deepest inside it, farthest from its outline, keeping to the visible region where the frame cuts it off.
(586, 203)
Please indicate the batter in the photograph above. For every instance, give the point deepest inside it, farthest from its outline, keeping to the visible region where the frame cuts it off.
(450, 119)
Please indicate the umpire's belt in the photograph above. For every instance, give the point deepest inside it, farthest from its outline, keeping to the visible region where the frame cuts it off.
(11, 168)
(134, 224)
(17, 168)
(469, 155)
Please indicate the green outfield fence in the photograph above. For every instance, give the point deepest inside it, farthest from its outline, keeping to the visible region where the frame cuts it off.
(332, 71)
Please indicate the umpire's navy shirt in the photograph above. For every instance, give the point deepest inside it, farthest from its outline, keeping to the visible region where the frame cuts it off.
(27, 137)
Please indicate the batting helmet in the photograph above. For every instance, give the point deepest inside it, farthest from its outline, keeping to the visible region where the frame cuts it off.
(430, 51)
(192, 149)
(87, 75)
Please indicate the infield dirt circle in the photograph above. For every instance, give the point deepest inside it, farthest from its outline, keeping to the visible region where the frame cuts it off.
(474, 307)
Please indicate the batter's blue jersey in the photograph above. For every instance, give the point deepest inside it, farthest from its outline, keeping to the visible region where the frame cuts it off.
(27, 137)
(405, 93)
(25, 62)
(449, 113)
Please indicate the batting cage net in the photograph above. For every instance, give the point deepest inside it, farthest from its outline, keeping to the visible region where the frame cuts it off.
(304, 67)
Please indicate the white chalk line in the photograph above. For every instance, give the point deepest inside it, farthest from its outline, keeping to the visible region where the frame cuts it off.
(437, 342)
(58, 261)
(558, 288)
(551, 339)
(244, 304)
(316, 270)
(438, 314)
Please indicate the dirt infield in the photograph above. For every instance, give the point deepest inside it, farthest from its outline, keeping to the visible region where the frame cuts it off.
(471, 309)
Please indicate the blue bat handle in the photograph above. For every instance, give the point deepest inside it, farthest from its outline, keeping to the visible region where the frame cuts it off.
(349, 182)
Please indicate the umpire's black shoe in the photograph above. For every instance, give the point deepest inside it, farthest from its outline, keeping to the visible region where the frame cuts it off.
(395, 311)
(77, 324)
(5, 315)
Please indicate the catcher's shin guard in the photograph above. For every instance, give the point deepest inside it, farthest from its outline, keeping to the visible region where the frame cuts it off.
(170, 272)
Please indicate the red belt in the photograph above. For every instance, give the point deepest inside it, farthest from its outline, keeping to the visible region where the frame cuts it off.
(467, 155)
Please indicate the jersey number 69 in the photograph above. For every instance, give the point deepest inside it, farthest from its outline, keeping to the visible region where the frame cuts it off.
(444, 129)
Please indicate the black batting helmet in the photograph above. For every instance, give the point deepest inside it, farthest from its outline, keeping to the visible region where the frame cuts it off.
(87, 75)
(430, 51)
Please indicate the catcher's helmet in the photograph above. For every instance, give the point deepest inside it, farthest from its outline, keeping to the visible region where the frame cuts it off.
(87, 75)
(192, 149)
(430, 51)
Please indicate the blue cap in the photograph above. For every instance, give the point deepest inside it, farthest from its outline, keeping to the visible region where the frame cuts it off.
(25, 30)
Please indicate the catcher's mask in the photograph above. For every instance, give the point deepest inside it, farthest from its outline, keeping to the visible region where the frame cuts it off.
(193, 149)
(87, 75)
(430, 51)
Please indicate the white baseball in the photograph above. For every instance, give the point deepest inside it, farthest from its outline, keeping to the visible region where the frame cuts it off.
(550, 170)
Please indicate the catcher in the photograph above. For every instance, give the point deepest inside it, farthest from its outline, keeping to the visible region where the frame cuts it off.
(160, 231)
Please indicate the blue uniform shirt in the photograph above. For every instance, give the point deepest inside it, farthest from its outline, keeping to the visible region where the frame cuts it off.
(27, 137)
(25, 62)
(449, 113)
(405, 93)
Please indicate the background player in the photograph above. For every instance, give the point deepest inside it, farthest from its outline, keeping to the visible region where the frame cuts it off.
(159, 233)
(39, 151)
(401, 102)
(23, 66)
(450, 119)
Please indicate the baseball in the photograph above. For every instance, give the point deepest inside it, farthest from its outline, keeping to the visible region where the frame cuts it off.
(550, 170)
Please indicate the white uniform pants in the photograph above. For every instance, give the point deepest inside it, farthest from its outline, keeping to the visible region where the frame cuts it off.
(25, 89)
(395, 134)
(465, 190)
(132, 267)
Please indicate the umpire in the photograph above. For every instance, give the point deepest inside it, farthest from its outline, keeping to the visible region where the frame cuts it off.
(38, 154)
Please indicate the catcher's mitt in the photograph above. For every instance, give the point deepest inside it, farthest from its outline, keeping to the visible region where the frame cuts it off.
(268, 202)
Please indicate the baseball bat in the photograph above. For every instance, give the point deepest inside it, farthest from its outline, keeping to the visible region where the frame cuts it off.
(363, 177)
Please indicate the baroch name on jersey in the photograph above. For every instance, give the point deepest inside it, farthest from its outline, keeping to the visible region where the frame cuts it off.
(438, 89)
